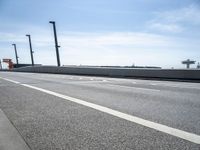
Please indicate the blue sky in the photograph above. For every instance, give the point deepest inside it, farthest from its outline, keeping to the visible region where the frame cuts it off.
(102, 32)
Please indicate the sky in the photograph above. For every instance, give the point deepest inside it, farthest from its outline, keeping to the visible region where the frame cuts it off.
(102, 32)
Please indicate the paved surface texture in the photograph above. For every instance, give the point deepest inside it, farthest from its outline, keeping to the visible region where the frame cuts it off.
(48, 122)
(10, 139)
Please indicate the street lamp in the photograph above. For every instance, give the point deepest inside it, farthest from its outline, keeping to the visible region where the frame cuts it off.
(31, 51)
(16, 53)
(1, 65)
(56, 42)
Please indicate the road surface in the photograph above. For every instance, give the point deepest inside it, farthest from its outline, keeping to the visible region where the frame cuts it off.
(80, 112)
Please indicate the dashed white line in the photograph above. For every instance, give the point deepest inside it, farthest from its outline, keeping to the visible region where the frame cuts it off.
(159, 127)
(153, 84)
(176, 86)
(131, 87)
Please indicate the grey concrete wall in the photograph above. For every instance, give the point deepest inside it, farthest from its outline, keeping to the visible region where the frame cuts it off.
(186, 74)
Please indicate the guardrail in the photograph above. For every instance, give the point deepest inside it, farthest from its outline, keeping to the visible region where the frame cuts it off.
(183, 74)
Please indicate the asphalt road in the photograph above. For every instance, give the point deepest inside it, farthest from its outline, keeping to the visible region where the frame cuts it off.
(46, 120)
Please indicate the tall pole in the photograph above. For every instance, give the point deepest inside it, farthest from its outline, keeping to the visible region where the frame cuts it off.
(16, 53)
(0, 65)
(56, 42)
(31, 51)
(188, 65)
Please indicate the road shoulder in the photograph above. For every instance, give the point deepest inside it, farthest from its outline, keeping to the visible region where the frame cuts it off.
(10, 139)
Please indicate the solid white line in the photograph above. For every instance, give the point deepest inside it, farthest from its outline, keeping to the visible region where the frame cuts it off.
(163, 128)
(16, 82)
(122, 86)
(159, 127)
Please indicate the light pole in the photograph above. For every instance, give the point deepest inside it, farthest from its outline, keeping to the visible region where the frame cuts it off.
(188, 62)
(56, 42)
(31, 51)
(0, 65)
(16, 53)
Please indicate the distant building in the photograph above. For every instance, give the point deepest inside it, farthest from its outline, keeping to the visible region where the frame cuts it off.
(188, 62)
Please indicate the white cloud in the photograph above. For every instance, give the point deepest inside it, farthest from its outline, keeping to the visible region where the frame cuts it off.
(174, 28)
(176, 20)
(10, 37)
(108, 48)
(113, 38)
(190, 14)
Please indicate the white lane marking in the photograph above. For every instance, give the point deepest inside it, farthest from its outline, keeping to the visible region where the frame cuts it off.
(181, 87)
(153, 84)
(80, 78)
(176, 86)
(131, 87)
(91, 79)
(16, 82)
(134, 82)
(159, 127)
(104, 80)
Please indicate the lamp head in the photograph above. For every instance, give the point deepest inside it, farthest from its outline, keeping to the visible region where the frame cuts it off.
(52, 22)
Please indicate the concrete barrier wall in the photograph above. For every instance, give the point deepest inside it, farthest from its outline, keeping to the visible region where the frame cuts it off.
(185, 74)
